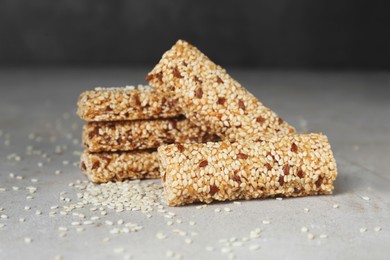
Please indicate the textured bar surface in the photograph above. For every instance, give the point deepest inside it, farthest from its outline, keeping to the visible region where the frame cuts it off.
(128, 103)
(143, 134)
(293, 165)
(118, 166)
(210, 98)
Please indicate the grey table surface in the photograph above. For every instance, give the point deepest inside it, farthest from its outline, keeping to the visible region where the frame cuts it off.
(37, 108)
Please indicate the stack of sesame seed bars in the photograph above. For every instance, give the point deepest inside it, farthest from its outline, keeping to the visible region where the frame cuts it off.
(124, 128)
(206, 136)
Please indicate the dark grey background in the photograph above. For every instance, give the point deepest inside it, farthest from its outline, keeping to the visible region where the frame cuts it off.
(268, 34)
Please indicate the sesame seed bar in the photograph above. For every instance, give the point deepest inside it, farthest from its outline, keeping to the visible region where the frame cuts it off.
(291, 165)
(142, 134)
(129, 103)
(118, 166)
(210, 98)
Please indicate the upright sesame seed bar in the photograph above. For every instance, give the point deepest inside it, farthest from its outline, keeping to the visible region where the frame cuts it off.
(118, 166)
(291, 165)
(142, 134)
(209, 97)
(129, 103)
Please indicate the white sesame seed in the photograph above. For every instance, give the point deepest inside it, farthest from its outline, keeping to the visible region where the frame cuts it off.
(109, 223)
(169, 223)
(279, 198)
(377, 229)
(363, 229)
(3, 216)
(237, 202)
(266, 222)
(80, 229)
(227, 209)
(323, 236)
(160, 236)
(192, 223)
(27, 240)
(169, 254)
(62, 235)
(310, 236)
(34, 180)
(15, 188)
(209, 248)
(217, 210)
(2, 225)
(75, 223)
(335, 206)
(58, 257)
(254, 247)
(225, 250)
(365, 198)
(19, 177)
(119, 250)
(21, 220)
(304, 229)
(62, 229)
(40, 164)
(306, 210)
(88, 222)
(2, 189)
(188, 241)
(11, 175)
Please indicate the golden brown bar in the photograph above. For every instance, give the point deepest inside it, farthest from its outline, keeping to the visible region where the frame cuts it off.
(292, 165)
(118, 166)
(212, 99)
(142, 134)
(128, 103)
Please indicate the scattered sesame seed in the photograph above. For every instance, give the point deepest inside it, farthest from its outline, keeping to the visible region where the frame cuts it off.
(3, 216)
(34, 180)
(169, 254)
(40, 164)
(323, 236)
(365, 198)
(19, 177)
(62, 235)
(75, 223)
(304, 229)
(160, 236)
(119, 250)
(310, 236)
(2, 189)
(21, 220)
(38, 212)
(27, 240)
(254, 247)
(363, 229)
(80, 229)
(109, 223)
(188, 241)
(11, 175)
(88, 222)
(62, 229)
(336, 206)
(58, 257)
(227, 209)
(306, 210)
(266, 222)
(217, 210)
(237, 202)
(279, 198)
(15, 188)
(192, 223)
(225, 250)
(377, 229)
(169, 223)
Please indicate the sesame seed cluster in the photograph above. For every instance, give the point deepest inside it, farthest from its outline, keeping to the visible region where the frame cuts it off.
(119, 166)
(128, 103)
(141, 134)
(210, 98)
(290, 165)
